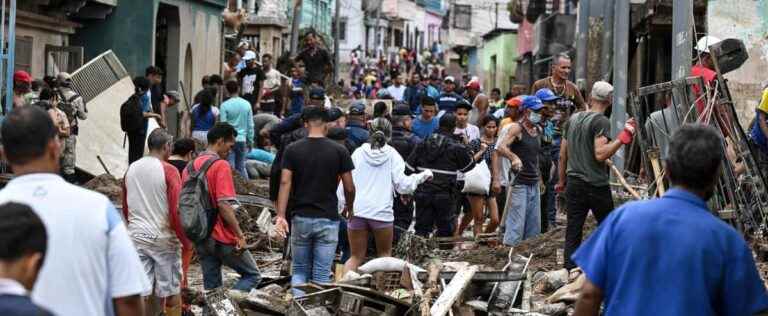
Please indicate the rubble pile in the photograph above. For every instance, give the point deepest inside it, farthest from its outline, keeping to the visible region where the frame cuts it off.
(108, 185)
(258, 187)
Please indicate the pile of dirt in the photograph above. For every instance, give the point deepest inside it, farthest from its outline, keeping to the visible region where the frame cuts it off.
(108, 185)
(258, 187)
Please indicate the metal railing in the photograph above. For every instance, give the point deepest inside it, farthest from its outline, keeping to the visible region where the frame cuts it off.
(98, 75)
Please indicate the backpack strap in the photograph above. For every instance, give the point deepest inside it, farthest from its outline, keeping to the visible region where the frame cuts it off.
(203, 169)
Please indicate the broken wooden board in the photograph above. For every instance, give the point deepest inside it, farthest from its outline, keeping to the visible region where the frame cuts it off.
(527, 292)
(452, 292)
(480, 276)
(368, 293)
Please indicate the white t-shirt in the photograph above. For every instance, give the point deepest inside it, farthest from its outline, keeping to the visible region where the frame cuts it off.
(505, 163)
(397, 93)
(90, 258)
(147, 185)
(472, 132)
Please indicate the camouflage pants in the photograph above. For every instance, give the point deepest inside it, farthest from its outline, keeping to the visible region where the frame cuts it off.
(68, 156)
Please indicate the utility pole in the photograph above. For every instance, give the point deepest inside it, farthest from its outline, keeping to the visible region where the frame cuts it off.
(336, 39)
(295, 27)
(581, 45)
(620, 75)
(376, 29)
(682, 38)
(496, 23)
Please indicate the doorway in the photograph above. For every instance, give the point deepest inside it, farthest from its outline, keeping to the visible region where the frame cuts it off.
(167, 53)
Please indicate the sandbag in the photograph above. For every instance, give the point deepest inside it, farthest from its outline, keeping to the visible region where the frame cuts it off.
(478, 180)
(387, 264)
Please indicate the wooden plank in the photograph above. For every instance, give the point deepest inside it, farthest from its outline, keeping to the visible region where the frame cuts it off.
(453, 291)
(480, 276)
(653, 156)
(527, 292)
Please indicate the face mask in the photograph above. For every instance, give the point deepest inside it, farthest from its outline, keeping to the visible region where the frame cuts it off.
(534, 117)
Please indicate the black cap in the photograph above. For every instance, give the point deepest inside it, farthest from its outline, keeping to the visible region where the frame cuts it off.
(310, 113)
(317, 93)
(334, 114)
(401, 109)
(464, 104)
(337, 133)
(448, 122)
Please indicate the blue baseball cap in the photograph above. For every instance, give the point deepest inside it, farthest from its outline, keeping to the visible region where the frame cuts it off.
(533, 103)
(317, 94)
(546, 95)
(357, 108)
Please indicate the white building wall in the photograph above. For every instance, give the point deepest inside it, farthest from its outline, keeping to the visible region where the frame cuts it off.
(352, 12)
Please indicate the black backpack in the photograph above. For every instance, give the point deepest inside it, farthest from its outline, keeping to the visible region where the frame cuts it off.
(196, 211)
(131, 115)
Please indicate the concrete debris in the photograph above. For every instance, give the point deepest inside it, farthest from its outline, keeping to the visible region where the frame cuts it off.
(568, 293)
(547, 282)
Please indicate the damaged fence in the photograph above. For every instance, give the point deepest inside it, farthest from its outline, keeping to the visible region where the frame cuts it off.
(661, 109)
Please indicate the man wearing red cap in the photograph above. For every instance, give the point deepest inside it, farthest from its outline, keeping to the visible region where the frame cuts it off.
(478, 100)
(22, 89)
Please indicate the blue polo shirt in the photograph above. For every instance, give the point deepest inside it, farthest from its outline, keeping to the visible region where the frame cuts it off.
(671, 256)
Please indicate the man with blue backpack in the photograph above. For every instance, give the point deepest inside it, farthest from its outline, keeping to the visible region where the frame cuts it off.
(207, 207)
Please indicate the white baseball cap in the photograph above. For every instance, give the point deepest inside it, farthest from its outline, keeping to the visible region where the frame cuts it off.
(249, 55)
(705, 42)
(601, 90)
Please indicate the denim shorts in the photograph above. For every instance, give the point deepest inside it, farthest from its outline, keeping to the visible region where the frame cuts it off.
(359, 223)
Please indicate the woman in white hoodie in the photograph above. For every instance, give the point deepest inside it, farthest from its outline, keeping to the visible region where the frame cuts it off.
(379, 173)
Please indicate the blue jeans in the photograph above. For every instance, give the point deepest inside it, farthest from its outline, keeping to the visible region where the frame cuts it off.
(313, 248)
(237, 159)
(524, 217)
(213, 254)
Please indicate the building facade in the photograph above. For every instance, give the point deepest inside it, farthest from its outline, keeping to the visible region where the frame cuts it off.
(468, 21)
(351, 28)
(498, 60)
(183, 37)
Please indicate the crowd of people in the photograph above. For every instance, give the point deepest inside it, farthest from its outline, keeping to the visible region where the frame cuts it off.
(339, 174)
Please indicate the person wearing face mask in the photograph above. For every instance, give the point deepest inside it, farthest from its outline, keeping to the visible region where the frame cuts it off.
(584, 174)
(521, 145)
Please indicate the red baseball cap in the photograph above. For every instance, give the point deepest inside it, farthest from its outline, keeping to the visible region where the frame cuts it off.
(22, 76)
(473, 84)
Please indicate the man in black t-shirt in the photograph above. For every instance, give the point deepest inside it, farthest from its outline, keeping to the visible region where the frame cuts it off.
(308, 191)
(251, 80)
(317, 61)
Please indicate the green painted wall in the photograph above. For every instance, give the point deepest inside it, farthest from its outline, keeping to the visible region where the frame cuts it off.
(129, 30)
(315, 13)
(504, 47)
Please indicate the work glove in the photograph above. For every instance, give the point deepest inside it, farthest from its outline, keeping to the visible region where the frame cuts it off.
(626, 135)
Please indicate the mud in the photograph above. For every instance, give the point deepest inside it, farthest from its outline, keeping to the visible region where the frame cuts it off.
(107, 185)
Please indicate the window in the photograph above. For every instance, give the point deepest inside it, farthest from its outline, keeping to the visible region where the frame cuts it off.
(23, 59)
(342, 29)
(493, 72)
(462, 17)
